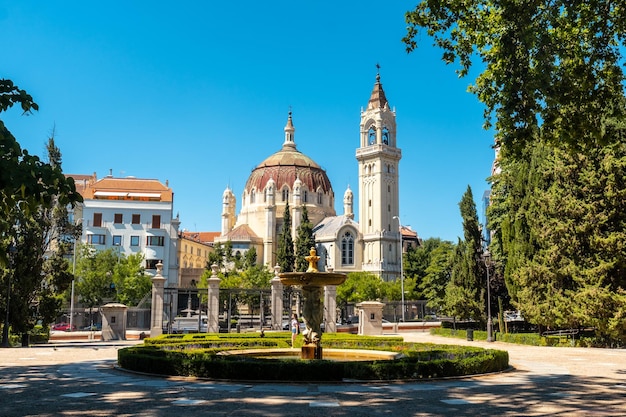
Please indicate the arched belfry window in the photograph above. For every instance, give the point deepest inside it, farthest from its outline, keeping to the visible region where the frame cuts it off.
(285, 194)
(385, 135)
(371, 136)
(252, 197)
(347, 249)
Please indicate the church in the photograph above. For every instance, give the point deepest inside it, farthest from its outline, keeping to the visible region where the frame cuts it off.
(289, 178)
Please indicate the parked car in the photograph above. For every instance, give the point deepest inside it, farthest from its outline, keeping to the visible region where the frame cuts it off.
(287, 325)
(95, 327)
(63, 327)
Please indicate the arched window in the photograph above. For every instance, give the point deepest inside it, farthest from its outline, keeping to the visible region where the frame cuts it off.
(285, 194)
(305, 196)
(371, 136)
(319, 197)
(347, 249)
(252, 197)
(385, 136)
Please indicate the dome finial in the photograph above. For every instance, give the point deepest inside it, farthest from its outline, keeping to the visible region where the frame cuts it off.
(289, 132)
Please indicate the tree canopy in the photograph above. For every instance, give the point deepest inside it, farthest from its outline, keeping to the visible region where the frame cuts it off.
(34, 196)
(550, 64)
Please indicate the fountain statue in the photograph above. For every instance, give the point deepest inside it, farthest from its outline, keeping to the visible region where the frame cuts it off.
(312, 282)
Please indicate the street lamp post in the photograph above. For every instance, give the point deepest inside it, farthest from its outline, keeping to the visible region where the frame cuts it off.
(79, 221)
(401, 267)
(487, 258)
(5, 327)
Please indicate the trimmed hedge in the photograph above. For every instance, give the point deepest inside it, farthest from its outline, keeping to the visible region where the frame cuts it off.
(197, 356)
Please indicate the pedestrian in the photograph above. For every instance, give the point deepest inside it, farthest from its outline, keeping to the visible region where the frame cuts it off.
(295, 329)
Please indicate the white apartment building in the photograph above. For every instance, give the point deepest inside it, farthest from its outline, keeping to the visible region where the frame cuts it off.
(132, 215)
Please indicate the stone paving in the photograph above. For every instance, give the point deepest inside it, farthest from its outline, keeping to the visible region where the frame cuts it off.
(80, 379)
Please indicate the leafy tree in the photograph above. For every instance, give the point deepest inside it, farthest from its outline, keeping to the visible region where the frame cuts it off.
(223, 257)
(437, 275)
(304, 241)
(216, 257)
(417, 260)
(130, 280)
(39, 238)
(360, 286)
(250, 258)
(95, 272)
(26, 183)
(285, 256)
(549, 64)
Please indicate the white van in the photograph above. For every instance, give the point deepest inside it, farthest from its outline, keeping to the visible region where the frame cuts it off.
(189, 324)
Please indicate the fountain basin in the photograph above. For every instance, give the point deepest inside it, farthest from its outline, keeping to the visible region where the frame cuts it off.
(338, 355)
(312, 279)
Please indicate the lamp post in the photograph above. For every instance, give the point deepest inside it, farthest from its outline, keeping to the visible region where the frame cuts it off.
(487, 258)
(78, 222)
(5, 327)
(401, 267)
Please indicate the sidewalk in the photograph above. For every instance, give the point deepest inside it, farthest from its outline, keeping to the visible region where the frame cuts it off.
(91, 336)
(587, 362)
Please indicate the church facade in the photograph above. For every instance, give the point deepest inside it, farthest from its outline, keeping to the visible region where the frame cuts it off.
(289, 178)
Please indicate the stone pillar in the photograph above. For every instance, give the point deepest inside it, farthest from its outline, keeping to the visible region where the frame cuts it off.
(277, 301)
(370, 318)
(158, 289)
(213, 303)
(113, 322)
(330, 309)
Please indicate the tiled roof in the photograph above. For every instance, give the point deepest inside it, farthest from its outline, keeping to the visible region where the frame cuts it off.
(243, 232)
(378, 100)
(127, 188)
(330, 226)
(202, 237)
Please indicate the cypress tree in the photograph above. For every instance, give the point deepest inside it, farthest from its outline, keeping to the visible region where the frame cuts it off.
(465, 292)
(285, 256)
(304, 241)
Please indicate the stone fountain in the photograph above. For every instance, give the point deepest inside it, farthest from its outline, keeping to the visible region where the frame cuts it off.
(312, 283)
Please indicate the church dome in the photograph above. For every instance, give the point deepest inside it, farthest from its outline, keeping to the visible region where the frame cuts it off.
(286, 166)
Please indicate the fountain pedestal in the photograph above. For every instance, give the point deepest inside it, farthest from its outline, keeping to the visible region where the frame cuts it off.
(312, 282)
(311, 351)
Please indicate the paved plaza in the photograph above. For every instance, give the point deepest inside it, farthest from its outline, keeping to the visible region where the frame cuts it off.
(81, 379)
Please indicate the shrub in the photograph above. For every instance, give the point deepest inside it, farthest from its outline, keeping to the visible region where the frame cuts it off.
(198, 356)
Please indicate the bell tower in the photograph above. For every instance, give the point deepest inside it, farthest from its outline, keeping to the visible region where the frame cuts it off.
(378, 158)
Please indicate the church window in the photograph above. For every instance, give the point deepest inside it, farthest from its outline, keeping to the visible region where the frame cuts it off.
(371, 134)
(319, 197)
(285, 194)
(347, 249)
(388, 188)
(369, 203)
(252, 197)
(305, 196)
(385, 136)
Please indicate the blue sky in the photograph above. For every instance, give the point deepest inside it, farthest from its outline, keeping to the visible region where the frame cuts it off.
(197, 94)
